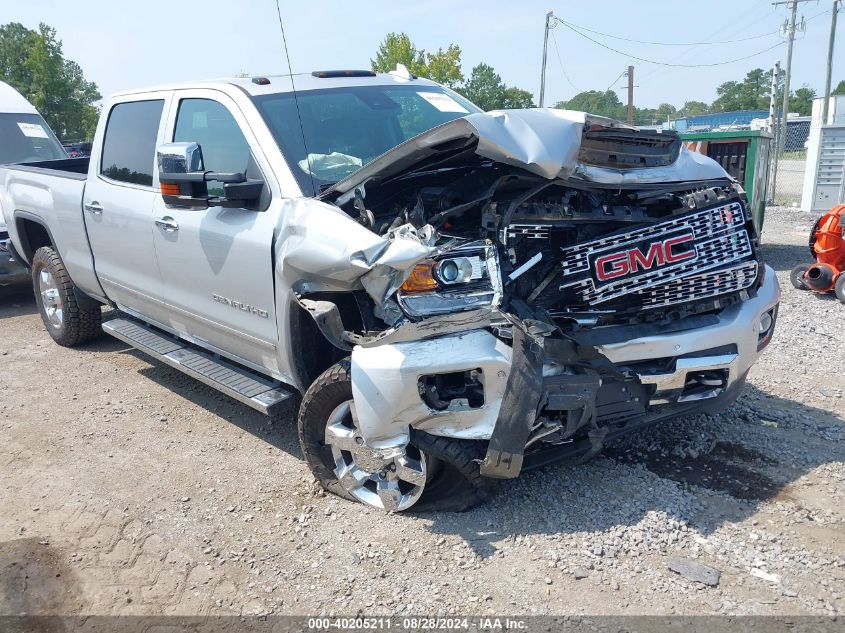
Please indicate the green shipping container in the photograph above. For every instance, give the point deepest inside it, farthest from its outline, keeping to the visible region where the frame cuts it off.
(745, 156)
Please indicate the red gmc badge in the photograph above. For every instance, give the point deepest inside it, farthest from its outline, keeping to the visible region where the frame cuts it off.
(653, 255)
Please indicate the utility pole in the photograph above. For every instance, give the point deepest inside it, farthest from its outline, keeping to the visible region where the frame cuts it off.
(830, 44)
(790, 34)
(773, 127)
(549, 15)
(630, 95)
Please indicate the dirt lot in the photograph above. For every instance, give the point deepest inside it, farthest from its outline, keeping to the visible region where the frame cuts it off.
(126, 488)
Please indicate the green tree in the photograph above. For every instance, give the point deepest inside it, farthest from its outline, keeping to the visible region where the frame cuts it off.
(397, 48)
(517, 98)
(691, 108)
(15, 43)
(444, 67)
(603, 103)
(840, 88)
(752, 93)
(665, 111)
(485, 88)
(801, 101)
(32, 62)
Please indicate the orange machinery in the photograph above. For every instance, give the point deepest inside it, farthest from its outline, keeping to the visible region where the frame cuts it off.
(827, 246)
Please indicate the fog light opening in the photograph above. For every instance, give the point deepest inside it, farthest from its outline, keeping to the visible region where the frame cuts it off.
(765, 323)
(766, 328)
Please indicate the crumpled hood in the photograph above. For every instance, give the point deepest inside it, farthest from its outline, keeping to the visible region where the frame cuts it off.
(543, 141)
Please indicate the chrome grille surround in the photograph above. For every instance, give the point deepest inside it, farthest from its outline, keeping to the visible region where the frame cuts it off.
(719, 238)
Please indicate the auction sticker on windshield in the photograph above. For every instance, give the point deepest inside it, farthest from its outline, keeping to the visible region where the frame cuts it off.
(443, 102)
(32, 130)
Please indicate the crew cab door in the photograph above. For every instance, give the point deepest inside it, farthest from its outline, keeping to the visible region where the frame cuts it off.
(117, 205)
(216, 264)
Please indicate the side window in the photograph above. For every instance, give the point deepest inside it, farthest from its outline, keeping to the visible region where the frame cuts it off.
(210, 124)
(129, 145)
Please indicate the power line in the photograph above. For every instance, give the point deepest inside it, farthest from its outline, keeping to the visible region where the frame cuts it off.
(628, 39)
(735, 25)
(659, 63)
(560, 61)
(618, 77)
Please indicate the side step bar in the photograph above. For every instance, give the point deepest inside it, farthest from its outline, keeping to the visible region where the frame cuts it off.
(250, 388)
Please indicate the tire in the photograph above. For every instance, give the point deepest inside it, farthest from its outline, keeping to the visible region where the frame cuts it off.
(453, 482)
(839, 287)
(796, 277)
(65, 321)
(812, 240)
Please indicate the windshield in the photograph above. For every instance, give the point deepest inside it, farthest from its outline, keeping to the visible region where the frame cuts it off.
(26, 138)
(346, 128)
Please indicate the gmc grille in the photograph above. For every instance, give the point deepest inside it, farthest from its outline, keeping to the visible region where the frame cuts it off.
(720, 242)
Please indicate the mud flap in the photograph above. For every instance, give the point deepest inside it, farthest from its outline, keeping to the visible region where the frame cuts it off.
(519, 409)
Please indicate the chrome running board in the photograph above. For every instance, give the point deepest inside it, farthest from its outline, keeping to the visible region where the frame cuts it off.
(252, 389)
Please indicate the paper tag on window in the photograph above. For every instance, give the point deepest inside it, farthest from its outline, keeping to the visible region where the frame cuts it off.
(33, 130)
(443, 102)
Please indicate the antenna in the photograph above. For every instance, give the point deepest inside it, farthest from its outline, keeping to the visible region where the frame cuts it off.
(295, 99)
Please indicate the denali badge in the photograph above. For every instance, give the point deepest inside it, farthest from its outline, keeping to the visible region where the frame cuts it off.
(245, 307)
(629, 262)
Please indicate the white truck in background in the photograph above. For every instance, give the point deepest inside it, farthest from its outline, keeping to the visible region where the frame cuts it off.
(455, 295)
(24, 137)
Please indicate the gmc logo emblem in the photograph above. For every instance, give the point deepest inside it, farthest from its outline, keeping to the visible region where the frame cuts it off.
(629, 262)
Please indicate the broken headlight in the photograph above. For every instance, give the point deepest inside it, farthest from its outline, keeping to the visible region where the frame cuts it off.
(462, 278)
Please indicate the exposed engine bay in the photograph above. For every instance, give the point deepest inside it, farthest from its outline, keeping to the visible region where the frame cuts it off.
(572, 254)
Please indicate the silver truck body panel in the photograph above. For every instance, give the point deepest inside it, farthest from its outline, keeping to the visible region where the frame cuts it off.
(56, 201)
(387, 400)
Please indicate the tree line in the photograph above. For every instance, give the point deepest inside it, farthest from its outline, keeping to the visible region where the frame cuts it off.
(485, 87)
(32, 61)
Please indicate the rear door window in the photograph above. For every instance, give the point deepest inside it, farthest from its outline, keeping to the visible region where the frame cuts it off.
(130, 142)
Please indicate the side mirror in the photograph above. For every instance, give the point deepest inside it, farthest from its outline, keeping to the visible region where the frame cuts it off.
(184, 181)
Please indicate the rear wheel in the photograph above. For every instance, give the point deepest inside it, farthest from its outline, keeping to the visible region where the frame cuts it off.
(839, 287)
(65, 321)
(427, 473)
(796, 277)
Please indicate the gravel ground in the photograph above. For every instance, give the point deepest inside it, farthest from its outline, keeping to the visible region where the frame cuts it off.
(127, 488)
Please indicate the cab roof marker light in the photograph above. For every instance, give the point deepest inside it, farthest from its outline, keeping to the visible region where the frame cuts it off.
(261, 81)
(330, 74)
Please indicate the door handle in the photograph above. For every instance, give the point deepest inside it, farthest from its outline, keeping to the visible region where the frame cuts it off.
(94, 207)
(168, 224)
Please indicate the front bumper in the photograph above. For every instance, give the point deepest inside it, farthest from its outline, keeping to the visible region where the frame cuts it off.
(386, 377)
(11, 270)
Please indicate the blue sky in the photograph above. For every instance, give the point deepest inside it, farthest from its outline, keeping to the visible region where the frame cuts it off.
(122, 44)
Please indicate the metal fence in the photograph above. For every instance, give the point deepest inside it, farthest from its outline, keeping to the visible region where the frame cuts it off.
(786, 183)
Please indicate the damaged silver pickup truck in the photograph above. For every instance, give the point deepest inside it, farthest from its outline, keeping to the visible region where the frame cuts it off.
(458, 295)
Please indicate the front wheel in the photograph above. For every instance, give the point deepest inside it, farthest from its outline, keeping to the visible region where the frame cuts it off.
(427, 474)
(65, 321)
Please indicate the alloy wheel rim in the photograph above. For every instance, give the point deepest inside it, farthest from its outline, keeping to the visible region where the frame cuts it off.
(390, 480)
(50, 299)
